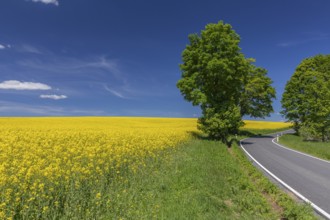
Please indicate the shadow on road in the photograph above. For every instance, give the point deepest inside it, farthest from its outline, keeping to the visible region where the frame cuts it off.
(263, 137)
(256, 137)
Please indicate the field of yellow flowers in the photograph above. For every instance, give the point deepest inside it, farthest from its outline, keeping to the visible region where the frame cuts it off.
(51, 165)
(44, 160)
(262, 125)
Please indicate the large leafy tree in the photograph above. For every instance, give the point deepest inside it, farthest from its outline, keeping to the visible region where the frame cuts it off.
(306, 99)
(217, 77)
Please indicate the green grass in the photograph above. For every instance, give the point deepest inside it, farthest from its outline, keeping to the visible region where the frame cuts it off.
(201, 179)
(318, 149)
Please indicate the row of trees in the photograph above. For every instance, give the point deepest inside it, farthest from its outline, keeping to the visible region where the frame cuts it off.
(227, 86)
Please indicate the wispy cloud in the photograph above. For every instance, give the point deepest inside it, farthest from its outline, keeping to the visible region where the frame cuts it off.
(17, 85)
(154, 113)
(20, 109)
(3, 47)
(106, 64)
(27, 48)
(98, 70)
(71, 65)
(97, 73)
(54, 97)
(55, 2)
(308, 37)
(114, 92)
(83, 74)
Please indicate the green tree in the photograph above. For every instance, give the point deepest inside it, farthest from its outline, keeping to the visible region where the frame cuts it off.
(217, 77)
(306, 99)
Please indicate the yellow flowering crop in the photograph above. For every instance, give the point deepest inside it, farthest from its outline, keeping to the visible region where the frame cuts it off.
(250, 124)
(43, 159)
(50, 165)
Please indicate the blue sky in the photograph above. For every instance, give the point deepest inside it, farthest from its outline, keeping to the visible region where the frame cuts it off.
(121, 58)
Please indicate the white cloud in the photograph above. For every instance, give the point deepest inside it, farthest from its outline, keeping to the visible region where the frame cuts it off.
(114, 92)
(307, 38)
(20, 109)
(106, 64)
(17, 85)
(69, 65)
(3, 47)
(29, 49)
(55, 97)
(55, 2)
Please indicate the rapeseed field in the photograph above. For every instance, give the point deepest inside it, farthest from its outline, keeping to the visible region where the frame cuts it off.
(261, 125)
(44, 162)
(64, 166)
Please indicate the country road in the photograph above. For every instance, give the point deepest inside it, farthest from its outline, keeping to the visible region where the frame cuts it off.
(306, 176)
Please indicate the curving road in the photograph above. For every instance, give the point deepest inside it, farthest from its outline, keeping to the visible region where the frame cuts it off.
(304, 175)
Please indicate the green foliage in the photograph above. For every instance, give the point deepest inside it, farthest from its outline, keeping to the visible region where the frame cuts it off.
(257, 95)
(217, 77)
(306, 100)
(309, 131)
(220, 124)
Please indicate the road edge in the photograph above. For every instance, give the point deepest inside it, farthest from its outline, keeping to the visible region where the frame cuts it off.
(315, 207)
(299, 152)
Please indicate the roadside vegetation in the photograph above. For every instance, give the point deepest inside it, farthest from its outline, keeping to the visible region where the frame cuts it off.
(130, 168)
(202, 179)
(315, 148)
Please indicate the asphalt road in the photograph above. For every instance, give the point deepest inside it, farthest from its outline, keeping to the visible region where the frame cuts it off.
(306, 175)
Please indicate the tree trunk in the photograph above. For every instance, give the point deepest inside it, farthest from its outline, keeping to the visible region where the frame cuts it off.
(229, 143)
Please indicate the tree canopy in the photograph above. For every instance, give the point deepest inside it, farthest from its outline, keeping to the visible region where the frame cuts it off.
(217, 77)
(306, 100)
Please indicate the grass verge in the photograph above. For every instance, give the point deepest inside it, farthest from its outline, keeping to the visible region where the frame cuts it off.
(318, 149)
(200, 180)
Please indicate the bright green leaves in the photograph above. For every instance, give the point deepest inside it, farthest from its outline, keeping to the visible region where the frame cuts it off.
(220, 123)
(217, 77)
(306, 100)
(256, 99)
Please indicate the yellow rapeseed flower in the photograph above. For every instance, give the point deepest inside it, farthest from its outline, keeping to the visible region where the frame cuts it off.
(44, 159)
(250, 124)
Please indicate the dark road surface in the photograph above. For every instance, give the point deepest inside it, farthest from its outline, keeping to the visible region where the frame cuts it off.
(307, 176)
